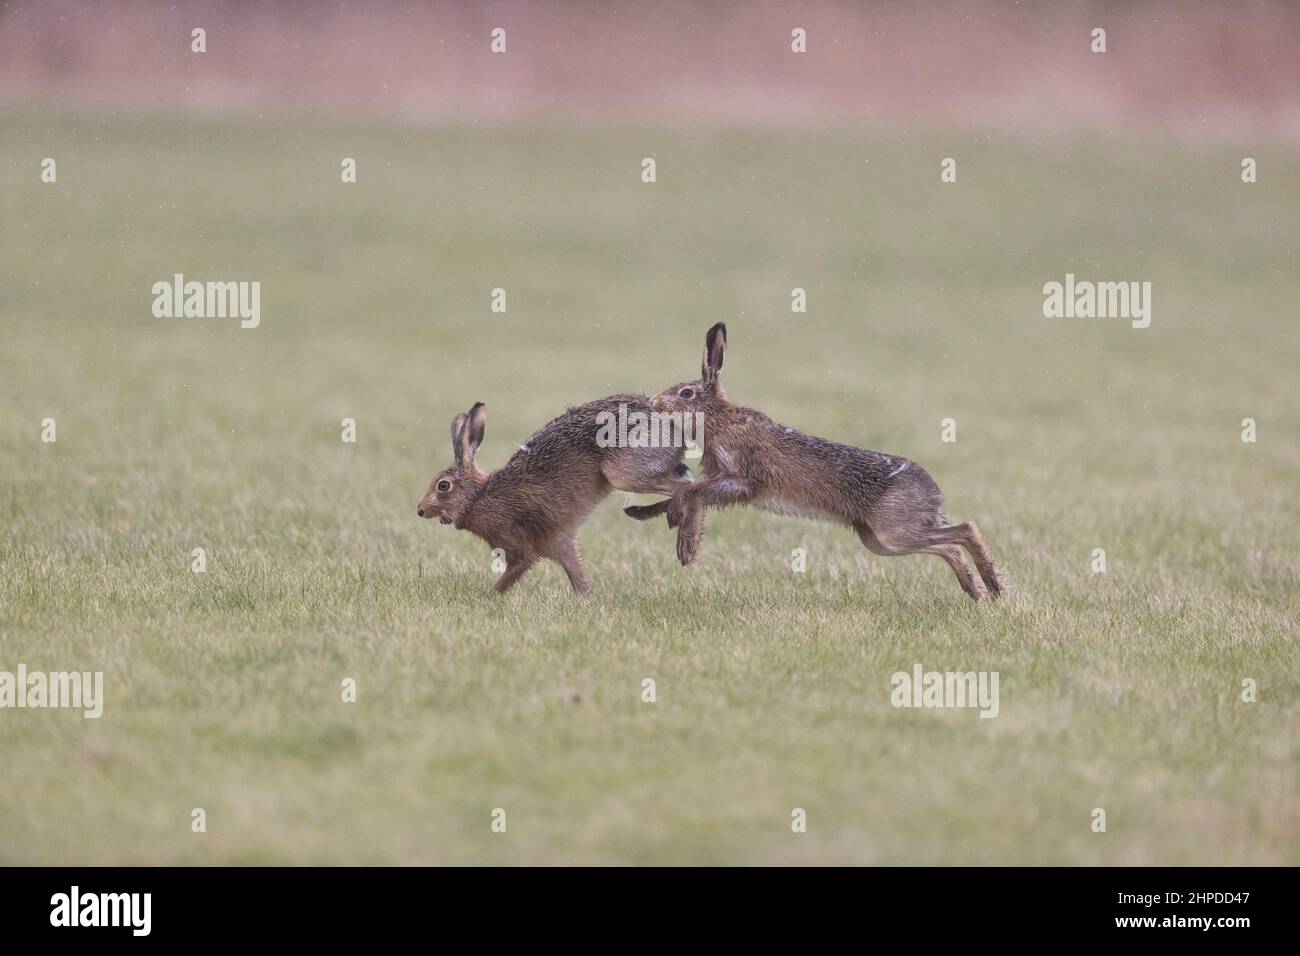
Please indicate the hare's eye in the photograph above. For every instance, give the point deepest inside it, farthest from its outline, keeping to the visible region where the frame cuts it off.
(444, 485)
(687, 393)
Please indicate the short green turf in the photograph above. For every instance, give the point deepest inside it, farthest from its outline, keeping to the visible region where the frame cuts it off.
(1119, 690)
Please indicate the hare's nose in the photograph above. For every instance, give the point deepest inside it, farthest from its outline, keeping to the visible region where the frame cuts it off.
(420, 512)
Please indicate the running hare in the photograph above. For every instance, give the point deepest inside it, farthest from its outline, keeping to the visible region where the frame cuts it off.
(533, 506)
(892, 503)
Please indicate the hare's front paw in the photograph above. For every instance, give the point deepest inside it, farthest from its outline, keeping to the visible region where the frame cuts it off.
(677, 510)
(689, 534)
(645, 512)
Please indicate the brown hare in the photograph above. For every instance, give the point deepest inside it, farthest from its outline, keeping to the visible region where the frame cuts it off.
(533, 506)
(892, 503)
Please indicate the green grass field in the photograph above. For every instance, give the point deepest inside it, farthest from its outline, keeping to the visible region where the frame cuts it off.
(1119, 690)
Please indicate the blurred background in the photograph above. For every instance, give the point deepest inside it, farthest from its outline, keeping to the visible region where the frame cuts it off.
(1199, 68)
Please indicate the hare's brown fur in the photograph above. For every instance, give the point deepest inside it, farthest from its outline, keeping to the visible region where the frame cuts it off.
(891, 502)
(534, 505)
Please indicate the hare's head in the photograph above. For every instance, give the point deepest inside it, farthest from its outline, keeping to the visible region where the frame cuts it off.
(705, 394)
(453, 489)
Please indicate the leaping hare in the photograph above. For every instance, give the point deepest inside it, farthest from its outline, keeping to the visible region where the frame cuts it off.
(533, 506)
(892, 503)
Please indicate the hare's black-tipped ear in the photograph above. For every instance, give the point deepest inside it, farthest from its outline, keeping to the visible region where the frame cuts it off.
(715, 351)
(457, 430)
(471, 436)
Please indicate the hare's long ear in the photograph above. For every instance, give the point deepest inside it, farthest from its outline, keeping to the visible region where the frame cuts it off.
(457, 430)
(715, 350)
(471, 436)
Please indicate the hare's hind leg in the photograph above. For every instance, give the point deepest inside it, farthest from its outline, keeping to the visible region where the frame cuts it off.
(957, 561)
(909, 518)
(566, 554)
(899, 543)
(971, 539)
